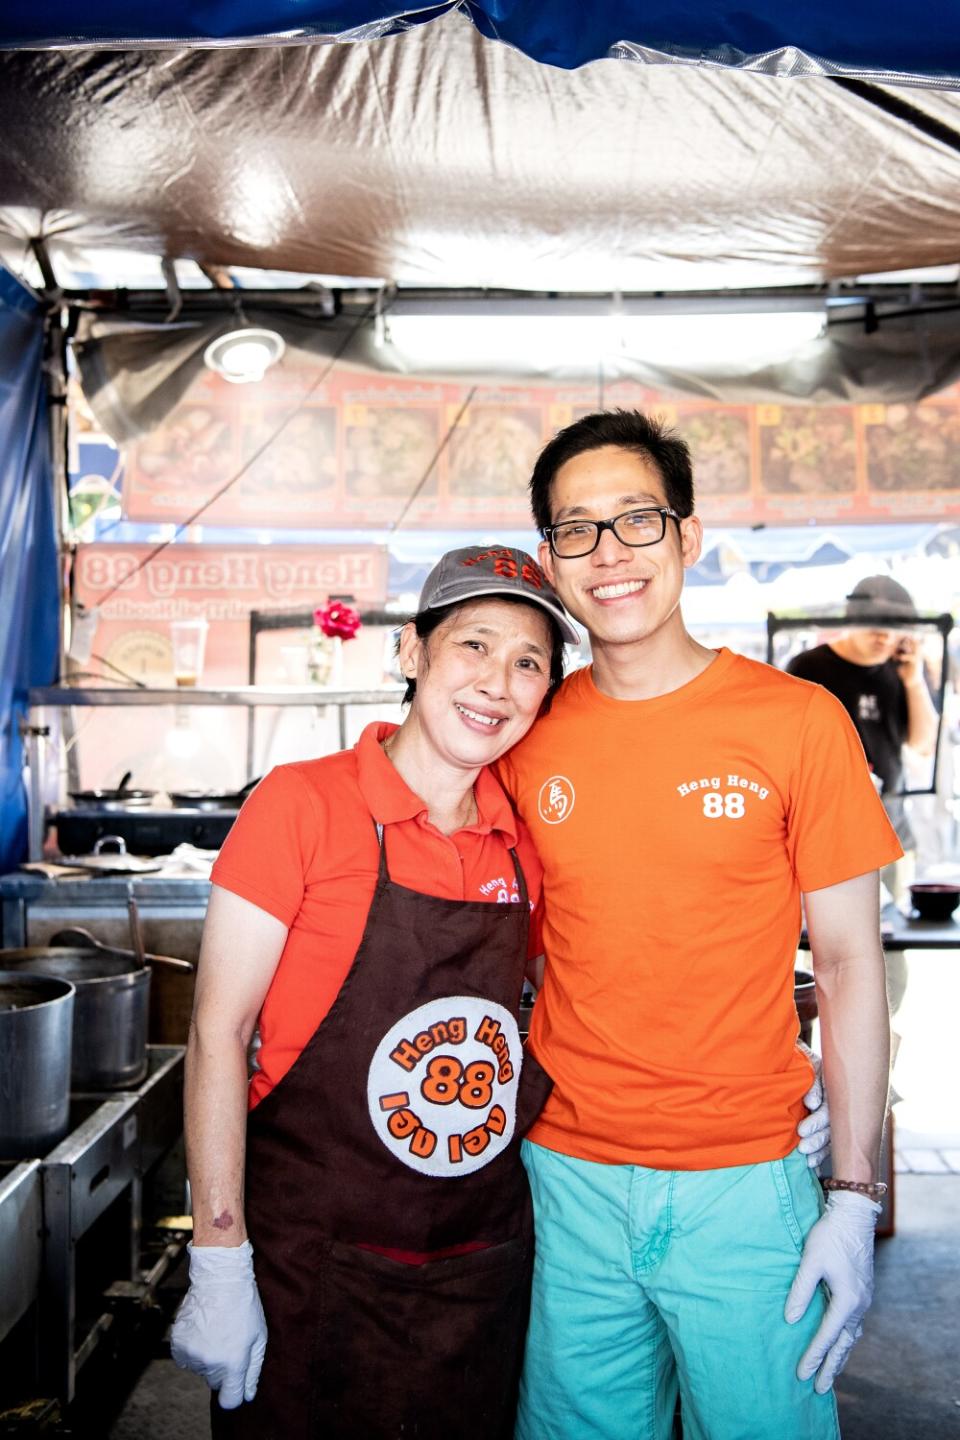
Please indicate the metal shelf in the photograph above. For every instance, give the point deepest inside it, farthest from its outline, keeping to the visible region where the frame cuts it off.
(247, 695)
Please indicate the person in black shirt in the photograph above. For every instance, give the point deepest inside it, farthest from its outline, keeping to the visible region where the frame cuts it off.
(877, 675)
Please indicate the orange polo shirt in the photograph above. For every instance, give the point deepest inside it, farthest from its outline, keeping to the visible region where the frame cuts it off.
(304, 848)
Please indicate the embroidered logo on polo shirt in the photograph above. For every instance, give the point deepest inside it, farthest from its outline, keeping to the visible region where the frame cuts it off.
(442, 1085)
(556, 799)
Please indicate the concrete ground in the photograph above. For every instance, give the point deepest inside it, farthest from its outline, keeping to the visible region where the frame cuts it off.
(902, 1382)
(903, 1379)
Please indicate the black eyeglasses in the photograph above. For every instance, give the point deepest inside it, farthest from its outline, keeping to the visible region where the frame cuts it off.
(572, 538)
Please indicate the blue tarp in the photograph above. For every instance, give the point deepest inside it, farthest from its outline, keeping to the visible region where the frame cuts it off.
(29, 601)
(881, 37)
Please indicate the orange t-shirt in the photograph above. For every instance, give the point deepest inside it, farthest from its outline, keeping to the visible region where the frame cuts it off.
(677, 835)
(304, 848)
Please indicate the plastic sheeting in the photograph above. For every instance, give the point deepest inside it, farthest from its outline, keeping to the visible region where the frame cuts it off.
(29, 593)
(437, 157)
(134, 374)
(775, 36)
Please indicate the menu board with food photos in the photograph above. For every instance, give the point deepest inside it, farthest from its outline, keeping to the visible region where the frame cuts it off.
(374, 451)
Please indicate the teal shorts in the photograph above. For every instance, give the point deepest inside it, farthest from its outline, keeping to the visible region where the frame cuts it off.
(647, 1281)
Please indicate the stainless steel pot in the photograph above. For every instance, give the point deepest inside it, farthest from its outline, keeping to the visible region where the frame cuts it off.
(36, 1030)
(805, 999)
(110, 1013)
(113, 862)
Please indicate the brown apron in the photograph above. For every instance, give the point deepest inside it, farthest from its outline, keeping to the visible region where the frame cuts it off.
(398, 1127)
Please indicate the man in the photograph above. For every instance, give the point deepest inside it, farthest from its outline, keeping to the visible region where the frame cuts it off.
(682, 799)
(877, 675)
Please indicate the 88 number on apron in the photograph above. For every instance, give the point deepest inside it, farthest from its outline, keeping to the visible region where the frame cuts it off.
(442, 1085)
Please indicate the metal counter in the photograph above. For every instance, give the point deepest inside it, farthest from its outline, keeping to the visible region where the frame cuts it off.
(171, 910)
(21, 1234)
(71, 1225)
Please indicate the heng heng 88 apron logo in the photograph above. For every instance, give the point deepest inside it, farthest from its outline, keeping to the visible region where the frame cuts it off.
(442, 1086)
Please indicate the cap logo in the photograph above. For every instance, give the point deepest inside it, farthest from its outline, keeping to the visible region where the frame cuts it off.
(505, 565)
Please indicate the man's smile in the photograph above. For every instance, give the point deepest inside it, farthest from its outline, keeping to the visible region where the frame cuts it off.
(615, 591)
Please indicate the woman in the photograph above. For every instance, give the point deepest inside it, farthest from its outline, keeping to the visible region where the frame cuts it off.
(354, 912)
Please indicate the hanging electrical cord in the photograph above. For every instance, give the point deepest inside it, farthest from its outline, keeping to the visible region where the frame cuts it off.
(250, 461)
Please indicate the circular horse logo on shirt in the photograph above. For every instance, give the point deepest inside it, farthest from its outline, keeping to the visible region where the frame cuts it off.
(556, 799)
(442, 1085)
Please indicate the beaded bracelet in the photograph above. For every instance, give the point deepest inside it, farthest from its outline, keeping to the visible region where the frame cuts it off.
(874, 1190)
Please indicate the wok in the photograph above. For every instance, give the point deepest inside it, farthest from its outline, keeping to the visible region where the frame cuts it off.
(122, 797)
(212, 799)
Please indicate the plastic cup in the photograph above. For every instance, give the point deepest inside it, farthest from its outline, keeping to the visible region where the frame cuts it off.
(189, 639)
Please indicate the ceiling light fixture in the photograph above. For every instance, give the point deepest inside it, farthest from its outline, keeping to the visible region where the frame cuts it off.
(560, 334)
(244, 356)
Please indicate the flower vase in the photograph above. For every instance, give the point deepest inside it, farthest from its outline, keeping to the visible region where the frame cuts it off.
(335, 680)
(325, 663)
(318, 659)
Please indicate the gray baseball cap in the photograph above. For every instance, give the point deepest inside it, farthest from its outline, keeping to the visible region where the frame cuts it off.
(880, 595)
(480, 570)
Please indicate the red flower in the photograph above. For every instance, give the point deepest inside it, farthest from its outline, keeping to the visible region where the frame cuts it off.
(337, 619)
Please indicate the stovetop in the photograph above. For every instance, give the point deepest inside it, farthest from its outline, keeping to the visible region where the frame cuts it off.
(145, 831)
(148, 812)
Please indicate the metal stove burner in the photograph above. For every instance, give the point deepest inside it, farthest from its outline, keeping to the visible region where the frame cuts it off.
(146, 831)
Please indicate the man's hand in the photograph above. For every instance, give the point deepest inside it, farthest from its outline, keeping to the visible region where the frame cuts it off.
(220, 1330)
(839, 1252)
(908, 659)
(814, 1129)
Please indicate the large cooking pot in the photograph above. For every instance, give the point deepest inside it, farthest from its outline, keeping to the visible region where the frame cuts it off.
(171, 988)
(36, 1028)
(109, 1016)
(112, 1004)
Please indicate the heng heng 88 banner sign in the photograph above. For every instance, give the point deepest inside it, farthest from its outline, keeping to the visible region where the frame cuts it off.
(219, 584)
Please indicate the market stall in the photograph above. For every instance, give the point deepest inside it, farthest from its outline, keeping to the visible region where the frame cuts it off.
(452, 250)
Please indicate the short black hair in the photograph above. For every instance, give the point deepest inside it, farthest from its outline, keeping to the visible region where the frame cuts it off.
(630, 430)
(426, 621)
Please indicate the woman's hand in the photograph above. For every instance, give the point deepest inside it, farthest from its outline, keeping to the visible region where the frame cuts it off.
(220, 1331)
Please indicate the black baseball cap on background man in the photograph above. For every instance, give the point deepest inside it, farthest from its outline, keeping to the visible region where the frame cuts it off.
(882, 596)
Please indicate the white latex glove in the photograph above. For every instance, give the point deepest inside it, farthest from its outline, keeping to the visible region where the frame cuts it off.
(838, 1251)
(220, 1331)
(814, 1129)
